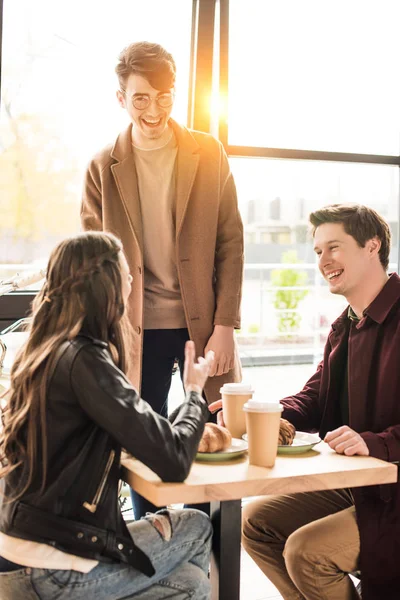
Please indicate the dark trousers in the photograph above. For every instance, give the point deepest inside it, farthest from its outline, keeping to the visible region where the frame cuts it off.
(161, 347)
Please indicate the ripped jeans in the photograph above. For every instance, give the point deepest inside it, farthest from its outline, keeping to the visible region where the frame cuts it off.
(178, 543)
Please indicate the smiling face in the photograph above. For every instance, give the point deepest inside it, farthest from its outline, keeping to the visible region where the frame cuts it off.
(150, 125)
(343, 263)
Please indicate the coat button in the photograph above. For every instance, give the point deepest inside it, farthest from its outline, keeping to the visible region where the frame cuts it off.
(138, 330)
(120, 546)
(79, 535)
(94, 538)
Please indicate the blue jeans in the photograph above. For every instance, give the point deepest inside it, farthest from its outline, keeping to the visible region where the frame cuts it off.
(180, 555)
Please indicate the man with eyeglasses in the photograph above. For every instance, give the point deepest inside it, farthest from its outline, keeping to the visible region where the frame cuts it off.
(167, 192)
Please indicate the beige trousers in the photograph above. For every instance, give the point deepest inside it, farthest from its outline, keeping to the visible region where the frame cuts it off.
(306, 544)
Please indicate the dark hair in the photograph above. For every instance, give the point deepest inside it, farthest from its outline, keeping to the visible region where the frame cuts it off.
(82, 292)
(359, 221)
(150, 61)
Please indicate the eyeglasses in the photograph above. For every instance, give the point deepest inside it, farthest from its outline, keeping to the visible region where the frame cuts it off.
(142, 101)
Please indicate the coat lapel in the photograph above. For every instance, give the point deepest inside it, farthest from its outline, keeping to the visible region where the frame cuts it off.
(124, 172)
(186, 169)
(125, 176)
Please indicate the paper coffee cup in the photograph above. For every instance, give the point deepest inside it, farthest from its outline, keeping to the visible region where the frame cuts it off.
(262, 421)
(234, 397)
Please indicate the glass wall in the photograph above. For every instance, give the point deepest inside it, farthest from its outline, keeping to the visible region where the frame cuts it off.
(315, 75)
(302, 75)
(287, 308)
(58, 107)
(306, 76)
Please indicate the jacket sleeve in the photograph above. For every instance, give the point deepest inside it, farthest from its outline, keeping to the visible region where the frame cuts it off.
(91, 206)
(303, 409)
(384, 445)
(108, 398)
(229, 251)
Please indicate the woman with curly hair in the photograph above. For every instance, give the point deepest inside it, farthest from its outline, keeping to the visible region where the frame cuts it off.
(69, 411)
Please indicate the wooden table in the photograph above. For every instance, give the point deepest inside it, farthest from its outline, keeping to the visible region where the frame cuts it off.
(224, 484)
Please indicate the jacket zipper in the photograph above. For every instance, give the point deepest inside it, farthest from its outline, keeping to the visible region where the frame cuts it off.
(92, 507)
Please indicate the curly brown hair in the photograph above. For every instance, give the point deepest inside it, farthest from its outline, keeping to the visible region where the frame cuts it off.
(82, 293)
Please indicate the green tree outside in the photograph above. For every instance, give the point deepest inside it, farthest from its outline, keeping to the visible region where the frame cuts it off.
(288, 300)
(40, 176)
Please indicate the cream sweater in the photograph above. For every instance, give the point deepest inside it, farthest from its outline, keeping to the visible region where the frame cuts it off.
(163, 308)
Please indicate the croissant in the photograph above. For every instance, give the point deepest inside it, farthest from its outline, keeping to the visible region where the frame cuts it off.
(215, 438)
(286, 433)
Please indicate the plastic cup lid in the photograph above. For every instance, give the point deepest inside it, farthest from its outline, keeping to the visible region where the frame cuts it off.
(237, 388)
(262, 406)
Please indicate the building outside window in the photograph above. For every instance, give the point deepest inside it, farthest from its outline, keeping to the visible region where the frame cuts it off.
(303, 77)
(311, 117)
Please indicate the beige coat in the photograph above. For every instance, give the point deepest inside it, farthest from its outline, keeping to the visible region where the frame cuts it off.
(209, 235)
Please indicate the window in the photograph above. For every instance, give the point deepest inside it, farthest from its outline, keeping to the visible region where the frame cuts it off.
(312, 112)
(58, 106)
(287, 308)
(315, 75)
(304, 79)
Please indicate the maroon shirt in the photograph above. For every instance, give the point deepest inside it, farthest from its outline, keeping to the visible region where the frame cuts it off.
(374, 412)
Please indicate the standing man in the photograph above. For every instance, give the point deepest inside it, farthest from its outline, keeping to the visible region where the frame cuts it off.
(167, 192)
(307, 544)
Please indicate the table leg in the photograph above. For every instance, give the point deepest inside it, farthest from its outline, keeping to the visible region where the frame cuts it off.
(225, 560)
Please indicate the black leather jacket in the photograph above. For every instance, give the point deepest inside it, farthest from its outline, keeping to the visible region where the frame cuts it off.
(93, 412)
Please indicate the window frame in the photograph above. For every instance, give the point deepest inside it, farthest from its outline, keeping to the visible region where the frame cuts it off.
(202, 62)
(283, 153)
(16, 305)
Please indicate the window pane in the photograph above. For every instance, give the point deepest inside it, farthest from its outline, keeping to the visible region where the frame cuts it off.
(315, 75)
(287, 308)
(59, 106)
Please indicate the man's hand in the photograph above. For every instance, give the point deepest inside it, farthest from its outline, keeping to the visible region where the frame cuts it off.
(223, 345)
(195, 374)
(213, 407)
(344, 440)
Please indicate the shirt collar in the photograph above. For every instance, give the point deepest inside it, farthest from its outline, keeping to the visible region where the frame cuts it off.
(352, 315)
(380, 307)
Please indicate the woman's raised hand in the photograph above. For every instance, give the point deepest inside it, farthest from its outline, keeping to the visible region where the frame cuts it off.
(195, 374)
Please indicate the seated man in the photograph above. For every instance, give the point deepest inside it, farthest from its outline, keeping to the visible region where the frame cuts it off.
(307, 544)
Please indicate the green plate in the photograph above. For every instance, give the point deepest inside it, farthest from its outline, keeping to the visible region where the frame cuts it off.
(303, 442)
(237, 448)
